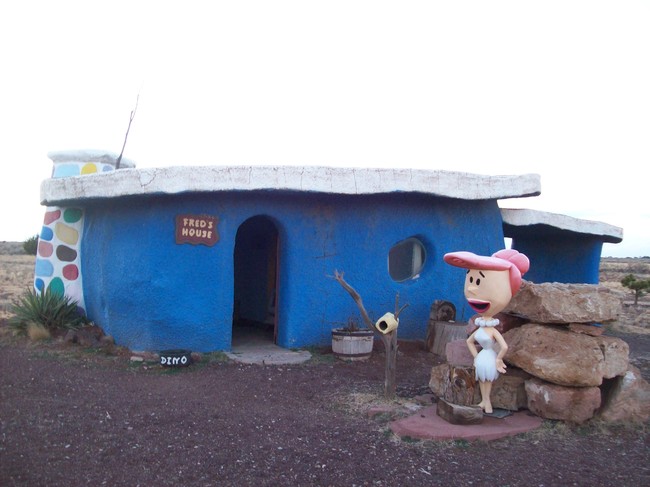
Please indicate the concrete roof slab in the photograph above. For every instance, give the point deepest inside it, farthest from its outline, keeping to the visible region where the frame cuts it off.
(516, 217)
(319, 179)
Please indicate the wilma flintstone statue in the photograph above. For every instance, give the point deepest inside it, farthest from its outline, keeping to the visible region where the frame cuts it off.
(490, 283)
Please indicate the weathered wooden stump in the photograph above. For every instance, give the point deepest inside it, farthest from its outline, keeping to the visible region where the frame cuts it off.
(442, 332)
(456, 404)
(460, 386)
(457, 414)
(441, 327)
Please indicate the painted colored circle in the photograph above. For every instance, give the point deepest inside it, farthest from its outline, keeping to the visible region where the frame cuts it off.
(65, 253)
(51, 216)
(45, 249)
(66, 233)
(71, 272)
(43, 268)
(46, 233)
(89, 168)
(39, 284)
(56, 286)
(72, 215)
(65, 170)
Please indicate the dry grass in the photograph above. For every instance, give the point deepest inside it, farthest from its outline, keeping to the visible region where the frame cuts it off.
(37, 332)
(16, 275)
(360, 403)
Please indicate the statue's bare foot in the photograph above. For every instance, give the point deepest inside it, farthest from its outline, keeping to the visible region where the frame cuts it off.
(485, 406)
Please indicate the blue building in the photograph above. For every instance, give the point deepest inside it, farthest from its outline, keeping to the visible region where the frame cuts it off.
(184, 257)
(564, 249)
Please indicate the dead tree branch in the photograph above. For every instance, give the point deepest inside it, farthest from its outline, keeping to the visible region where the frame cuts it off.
(398, 310)
(357, 299)
(388, 339)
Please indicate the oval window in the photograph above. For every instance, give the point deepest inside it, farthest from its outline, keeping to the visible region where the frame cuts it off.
(406, 259)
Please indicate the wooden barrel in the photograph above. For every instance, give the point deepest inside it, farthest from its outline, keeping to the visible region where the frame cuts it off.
(442, 332)
(352, 345)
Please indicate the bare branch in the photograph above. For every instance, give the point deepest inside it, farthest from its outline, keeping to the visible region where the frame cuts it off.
(401, 309)
(357, 299)
(398, 310)
(389, 339)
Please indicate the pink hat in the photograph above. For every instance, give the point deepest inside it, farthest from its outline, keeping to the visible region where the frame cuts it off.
(504, 260)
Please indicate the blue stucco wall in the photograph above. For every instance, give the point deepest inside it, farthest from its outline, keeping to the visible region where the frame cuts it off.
(151, 293)
(561, 257)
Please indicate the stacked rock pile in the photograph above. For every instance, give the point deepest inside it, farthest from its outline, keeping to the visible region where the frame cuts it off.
(561, 365)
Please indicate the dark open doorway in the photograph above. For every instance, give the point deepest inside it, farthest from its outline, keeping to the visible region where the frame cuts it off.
(256, 277)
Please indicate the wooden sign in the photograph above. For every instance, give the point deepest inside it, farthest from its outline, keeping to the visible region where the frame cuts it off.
(197, 229)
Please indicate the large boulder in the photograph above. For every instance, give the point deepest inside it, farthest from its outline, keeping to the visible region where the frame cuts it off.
(506, 322)
(457, 353)
(559, 303)
(569, 359)
(593, 330)
(572, 404)
(627, 399)
(509, 391)
(617, 356)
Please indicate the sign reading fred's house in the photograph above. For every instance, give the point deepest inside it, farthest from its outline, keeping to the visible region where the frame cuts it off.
(196, 229)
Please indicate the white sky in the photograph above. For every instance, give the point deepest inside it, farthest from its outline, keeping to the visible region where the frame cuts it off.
(558, 88)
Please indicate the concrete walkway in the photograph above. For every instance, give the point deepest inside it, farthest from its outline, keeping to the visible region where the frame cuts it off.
(267, 354)
(252, 346)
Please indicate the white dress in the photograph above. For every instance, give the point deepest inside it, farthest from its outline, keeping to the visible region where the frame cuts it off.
(485, 363)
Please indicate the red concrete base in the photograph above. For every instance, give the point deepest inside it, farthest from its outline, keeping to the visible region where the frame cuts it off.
(427, 425)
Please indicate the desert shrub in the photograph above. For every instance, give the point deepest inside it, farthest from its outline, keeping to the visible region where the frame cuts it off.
(49, 309)
(30, 245)
(637, 286)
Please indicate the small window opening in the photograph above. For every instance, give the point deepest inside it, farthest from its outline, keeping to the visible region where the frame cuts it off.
(406, 259)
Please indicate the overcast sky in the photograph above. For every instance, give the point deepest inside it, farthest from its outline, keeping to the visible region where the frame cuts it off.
(557, 88)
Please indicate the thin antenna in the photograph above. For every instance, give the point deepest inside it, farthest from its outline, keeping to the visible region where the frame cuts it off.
(119, 159)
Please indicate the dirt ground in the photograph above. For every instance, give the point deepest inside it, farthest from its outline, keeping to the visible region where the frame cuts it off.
(72, 416)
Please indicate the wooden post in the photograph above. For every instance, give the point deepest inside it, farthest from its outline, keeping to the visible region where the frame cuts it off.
(388, 339)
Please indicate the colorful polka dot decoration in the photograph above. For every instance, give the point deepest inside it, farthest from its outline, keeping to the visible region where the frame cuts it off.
(58, 264)
(68, 169)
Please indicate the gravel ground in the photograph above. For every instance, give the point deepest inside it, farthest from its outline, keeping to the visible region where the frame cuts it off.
(78, 417)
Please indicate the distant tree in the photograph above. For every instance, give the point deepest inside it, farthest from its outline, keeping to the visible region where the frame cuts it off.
(30, 245)
(638, 286)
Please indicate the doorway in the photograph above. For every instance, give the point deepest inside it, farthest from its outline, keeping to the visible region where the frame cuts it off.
(255, 316)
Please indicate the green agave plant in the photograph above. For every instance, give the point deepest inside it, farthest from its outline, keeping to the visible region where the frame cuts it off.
(49, 308)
